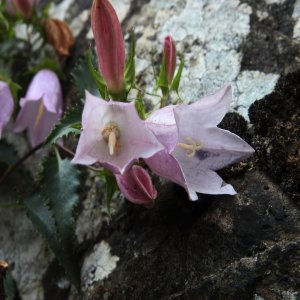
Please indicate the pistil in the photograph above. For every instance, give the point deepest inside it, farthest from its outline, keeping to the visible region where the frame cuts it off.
(111, 134)
(192, 147)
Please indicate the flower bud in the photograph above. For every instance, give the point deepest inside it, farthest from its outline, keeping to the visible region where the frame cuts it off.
(6, 105)
(169, 58)
(59, 35)
(136, 185)
(22, 7)
(109, 45)
(41, 108)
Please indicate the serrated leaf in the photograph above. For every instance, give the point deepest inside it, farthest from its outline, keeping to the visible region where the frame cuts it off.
(70, 123)
(83, 79)
(140, 107)
(98, 79)
(176, 80)
(111, 186)
(51, 210)
(130, 66)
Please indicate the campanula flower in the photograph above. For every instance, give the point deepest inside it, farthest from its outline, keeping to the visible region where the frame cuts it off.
(22, 7)
(113, 135)
(41, 108)
(136, 185)
(194, 146)
(109, 44)
(6, 105)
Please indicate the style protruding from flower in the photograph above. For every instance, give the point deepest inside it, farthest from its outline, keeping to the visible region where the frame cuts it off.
(109, 45)
(113, 135)
(136, 185)
(59, 35)
(22, 7)
(169, 59)
(6, 105)
(41, 108)
(194, 146)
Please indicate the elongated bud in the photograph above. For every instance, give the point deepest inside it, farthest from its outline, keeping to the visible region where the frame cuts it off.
(169, 58)
(22, 7)
(110, 45)
(137, 186)
(59, 35)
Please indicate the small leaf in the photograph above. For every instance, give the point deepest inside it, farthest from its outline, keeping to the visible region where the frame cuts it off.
(176, 80)
(98, 79)
(111, 186)
(83, 79)
(48, 63)
(70, 123)
(13, 86)
(130, 66)
(140, 107)
(4, 22)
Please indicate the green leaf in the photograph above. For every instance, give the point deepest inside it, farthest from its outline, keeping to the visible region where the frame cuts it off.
(130, 66)
(98, 79)
(140, 107)
(48, 63)
(4, 22)
(176, 80)
(70, 123)
(51, 210)
(13, 86)
(8, 154)
(83, 79)
(111, 186)
(10, 287)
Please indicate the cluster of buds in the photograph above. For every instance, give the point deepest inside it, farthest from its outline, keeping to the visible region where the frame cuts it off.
(181, 143)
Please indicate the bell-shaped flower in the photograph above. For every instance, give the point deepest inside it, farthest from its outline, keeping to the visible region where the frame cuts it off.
(41, 108)
(136, 185)
(113, 135)
(22, 7)
(6, 105)
(109, 44)
(194, 146)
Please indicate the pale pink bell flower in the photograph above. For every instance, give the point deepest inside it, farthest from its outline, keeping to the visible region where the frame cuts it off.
(6, 105)
(194, 146)
(113, 135)
(136, 185)
(41, 108)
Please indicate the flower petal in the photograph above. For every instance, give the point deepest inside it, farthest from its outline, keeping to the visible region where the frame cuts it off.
(7, 105)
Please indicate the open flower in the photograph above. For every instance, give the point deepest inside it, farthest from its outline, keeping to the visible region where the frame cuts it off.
(136, 185)
(194, 146)
(22, 7)
(113, 135)
(110, 45)
(41, 108)
(6, 105)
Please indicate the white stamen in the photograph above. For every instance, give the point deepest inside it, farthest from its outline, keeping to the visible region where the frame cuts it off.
(192, 147)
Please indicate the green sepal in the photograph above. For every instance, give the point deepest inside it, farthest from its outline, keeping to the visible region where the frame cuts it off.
(48, 63)
(111, 186)
(13, 86)
(176, 80)
(130, 66)
(98, 79)
(70, 123)
(140, 107)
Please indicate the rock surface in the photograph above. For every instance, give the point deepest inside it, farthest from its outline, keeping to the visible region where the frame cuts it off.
(243, 247)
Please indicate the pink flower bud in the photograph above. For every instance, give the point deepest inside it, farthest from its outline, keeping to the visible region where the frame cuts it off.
(136, 185)
(41, 108)
(110, 45)
(22, 7)
(169, 58)
(6, 105)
